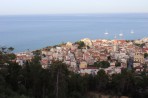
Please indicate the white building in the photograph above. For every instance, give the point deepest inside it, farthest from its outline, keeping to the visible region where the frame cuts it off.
(88, 70)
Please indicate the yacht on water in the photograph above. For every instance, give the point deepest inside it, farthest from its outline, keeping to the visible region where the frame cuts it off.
(132, 32)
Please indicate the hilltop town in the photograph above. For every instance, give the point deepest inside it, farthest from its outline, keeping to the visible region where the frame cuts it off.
(89, 56)
(86, 69)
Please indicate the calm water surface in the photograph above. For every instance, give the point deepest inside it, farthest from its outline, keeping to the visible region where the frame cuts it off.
(37, 31)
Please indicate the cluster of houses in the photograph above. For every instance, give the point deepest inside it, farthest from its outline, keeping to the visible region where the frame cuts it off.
(23, 57)
(81, 60)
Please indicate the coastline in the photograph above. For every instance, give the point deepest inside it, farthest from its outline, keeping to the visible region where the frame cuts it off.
(34, 32)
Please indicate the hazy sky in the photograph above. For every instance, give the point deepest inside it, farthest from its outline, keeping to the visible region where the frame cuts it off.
(72, 6)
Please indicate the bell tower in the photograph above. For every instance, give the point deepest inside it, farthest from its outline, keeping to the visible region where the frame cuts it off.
(115, 46)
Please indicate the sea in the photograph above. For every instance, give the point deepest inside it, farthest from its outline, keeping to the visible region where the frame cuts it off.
(33, 32)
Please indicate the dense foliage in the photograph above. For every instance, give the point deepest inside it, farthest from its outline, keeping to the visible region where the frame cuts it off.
(101, 64)
(140, 45)
(145, 55)
(81, 44)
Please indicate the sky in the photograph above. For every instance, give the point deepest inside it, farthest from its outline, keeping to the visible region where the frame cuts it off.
(21, 7)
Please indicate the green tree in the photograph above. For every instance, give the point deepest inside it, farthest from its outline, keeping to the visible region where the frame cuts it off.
(97, 64)
(123, 84)
(145, 55)
(117, 64)
(10, 49)
(91, 83)
(5, 55)
(102, 81)
(37, 52)
(59, 76)
(81, 44)
(77, 85)
(12, 76)
(104, 64)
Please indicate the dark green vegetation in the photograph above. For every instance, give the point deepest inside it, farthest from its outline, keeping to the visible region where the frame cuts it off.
(101, 64)
(32, 81)
(6, 54)
(140, 45)
(145, 55)
(81, 44)
(117, 64)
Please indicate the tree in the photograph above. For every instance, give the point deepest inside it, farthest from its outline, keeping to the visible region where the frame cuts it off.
(36, 81)
(59, 76)
(37, 52)
(97, 64)
(3, 49)
(81, 44)
(10, 49)
(5, 55)
(91, 83)
(36, 59)
(117, 64)
(145, 55)
(109, 58)
(140, 45)
(12, 76)
(77, 85)
(102, 80)
(123, 84)
(104, 64)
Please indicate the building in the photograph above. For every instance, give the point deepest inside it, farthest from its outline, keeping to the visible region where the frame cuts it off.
(83, 64)
(87, 42)
(139, 57)
(89, 70)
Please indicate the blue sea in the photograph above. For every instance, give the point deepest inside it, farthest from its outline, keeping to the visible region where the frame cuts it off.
(37, 31)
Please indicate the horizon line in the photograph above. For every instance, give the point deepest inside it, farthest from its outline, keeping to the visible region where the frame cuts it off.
(74, 14)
